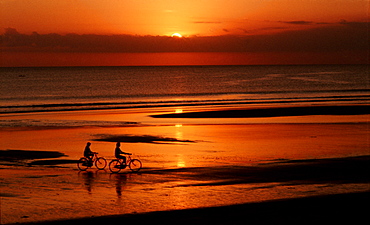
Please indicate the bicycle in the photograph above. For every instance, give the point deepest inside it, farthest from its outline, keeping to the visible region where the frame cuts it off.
(116, 165)
(84, 163)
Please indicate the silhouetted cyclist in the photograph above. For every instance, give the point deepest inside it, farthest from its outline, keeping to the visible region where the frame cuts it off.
(118, 152)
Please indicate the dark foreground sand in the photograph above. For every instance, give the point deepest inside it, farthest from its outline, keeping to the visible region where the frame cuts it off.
(331, 209)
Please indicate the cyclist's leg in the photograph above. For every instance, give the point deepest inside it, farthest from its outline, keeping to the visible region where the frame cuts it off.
(90, 158)
(123, 159)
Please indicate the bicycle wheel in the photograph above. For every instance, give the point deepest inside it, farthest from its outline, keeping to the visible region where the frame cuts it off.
(115, 166)
(83, 164)
(100, 163)
(135, 165)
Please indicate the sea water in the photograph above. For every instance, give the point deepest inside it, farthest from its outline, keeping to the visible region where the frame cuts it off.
(99, 99)
(91, 88)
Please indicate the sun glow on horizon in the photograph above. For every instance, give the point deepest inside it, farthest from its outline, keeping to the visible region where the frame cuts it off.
(177, 35)
(164, 32)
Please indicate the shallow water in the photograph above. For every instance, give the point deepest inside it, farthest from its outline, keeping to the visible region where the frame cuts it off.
(184, 165)
(61, 193)
(188, 145)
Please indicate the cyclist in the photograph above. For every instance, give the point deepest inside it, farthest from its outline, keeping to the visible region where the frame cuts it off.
(118, 152)
(88, 153)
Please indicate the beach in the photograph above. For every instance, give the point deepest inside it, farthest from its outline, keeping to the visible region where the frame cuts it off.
(257, 144)
(343, 208)
(184, 112)
(191, 170)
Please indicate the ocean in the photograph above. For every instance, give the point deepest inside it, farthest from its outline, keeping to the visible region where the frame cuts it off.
(52, 89)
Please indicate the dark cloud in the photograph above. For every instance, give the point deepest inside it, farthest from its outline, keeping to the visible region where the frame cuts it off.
(342, 36)
(298, 22)
(211, 22)
(365, 25)
(330, 38)
(262, 29)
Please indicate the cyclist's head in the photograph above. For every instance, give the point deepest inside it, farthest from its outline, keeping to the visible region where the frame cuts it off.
(88, 143)
(118, 144)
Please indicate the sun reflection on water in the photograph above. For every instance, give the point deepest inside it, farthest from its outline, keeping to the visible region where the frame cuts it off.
(180, 160)
(178, 131)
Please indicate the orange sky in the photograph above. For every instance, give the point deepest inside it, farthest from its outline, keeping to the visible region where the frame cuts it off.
(258, 20)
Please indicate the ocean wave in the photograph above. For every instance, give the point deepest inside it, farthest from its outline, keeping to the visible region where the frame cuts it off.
(30, 123)
(226, 99)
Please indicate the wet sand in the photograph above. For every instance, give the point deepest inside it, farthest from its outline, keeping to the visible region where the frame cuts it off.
(274, 112)
(285, 191)
(195, 170)
(328, 209)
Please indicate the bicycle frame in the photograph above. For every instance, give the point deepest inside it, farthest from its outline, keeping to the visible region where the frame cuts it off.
(85, 162)
(117, 164)
(95, 157)
(128, 159)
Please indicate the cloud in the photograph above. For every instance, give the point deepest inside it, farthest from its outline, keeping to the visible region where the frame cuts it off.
(334, 37)
(210, 22)
(365, 25)
(342, 36)
(262, 29)
(298, 22)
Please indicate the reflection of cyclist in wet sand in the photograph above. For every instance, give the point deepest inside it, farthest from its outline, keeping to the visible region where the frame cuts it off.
(88, 180)
(120, 183)
(118, 152)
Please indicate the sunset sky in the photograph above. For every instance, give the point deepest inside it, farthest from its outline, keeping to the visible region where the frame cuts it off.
(55, 33)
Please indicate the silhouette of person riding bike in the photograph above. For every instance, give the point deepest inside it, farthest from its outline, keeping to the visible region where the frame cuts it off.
(121, 161)
(115, 166)
(90, 158)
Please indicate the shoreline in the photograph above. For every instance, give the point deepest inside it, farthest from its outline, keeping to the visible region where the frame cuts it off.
(274, 112)
(335, 208)
(238, 110)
